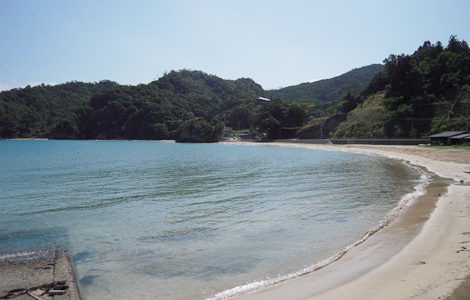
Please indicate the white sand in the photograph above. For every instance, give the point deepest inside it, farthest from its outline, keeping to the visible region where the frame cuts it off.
(430, 266)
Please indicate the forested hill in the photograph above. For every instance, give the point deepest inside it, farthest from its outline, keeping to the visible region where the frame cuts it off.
(410, 96)
(413, 96)
(158, 110)
(330, 91)
(111, 111)
(161, 109)
(36, 111)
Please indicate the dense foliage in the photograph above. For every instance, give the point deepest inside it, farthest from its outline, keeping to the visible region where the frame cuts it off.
(423, 93)
(272, 116)
(179, 103)
(198, 130)
(410, 96)
(106, 110)
(36, 111)
(160, 109)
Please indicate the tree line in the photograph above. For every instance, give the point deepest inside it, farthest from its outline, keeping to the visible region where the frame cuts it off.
(182, 105)
(409, 96)
(413, 96)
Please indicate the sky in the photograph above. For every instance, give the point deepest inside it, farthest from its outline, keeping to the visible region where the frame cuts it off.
(277, 43)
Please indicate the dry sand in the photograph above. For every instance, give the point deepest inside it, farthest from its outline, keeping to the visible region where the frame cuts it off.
(405, 260)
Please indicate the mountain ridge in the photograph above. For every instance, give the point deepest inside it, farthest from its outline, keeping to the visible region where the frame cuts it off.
(323, 91)
(63, 110)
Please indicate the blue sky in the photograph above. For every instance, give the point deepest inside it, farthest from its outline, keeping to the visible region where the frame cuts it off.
(276, 43)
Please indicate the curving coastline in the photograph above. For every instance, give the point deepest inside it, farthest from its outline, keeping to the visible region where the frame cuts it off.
(404, 260)
(350, 276)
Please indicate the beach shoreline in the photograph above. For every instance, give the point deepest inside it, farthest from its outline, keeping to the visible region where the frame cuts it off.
(426, 259)
(430, 265)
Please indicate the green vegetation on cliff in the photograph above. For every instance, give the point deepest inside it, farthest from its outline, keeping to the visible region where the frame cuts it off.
(365, 121)
(413, 96)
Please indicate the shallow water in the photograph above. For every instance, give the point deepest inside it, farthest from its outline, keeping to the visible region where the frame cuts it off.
(157, 220)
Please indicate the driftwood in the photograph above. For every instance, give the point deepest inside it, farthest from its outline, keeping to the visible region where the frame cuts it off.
(34, 295)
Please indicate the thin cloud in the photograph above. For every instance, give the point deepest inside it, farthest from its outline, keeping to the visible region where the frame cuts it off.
(5, 86)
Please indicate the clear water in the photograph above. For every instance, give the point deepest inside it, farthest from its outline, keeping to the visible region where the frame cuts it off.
(156, 220)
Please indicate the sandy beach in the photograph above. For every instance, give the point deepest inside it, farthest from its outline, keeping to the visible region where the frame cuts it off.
(424, 254)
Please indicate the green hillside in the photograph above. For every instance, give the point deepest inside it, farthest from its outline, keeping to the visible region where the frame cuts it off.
(36, 111)
(413, 96)
(330, 91)
(107, 110)
(162, 109)
(409, 96)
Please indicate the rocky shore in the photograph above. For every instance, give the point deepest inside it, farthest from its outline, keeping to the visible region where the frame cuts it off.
(37, 275)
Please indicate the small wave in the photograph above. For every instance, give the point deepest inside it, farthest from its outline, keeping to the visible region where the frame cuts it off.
(25, 255)
(17, 255)
(404, 202)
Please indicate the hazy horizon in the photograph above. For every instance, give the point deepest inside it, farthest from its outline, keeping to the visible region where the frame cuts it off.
(276, 43)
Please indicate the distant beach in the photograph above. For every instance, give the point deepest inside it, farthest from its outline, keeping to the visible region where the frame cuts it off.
(432, 265)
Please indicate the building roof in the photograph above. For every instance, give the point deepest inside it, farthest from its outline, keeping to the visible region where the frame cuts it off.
(263, 99)
(461, 136)
(447, 134)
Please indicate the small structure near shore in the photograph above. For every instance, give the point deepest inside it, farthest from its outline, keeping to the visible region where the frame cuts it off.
(460, 139)
(227, 133)
(444, 138)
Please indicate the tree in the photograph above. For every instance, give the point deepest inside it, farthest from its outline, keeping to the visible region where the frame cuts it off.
(270, 125)
(423, 91)
(240, 117)
(297, 114)
(199, 130)
(160, 131)
(348, 103)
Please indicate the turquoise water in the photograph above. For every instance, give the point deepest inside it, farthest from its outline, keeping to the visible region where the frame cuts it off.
(158, 220)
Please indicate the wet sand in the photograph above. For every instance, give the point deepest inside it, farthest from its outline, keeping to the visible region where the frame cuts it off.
(424, 254)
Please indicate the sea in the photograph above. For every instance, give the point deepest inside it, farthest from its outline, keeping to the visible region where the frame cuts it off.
(163, 220)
